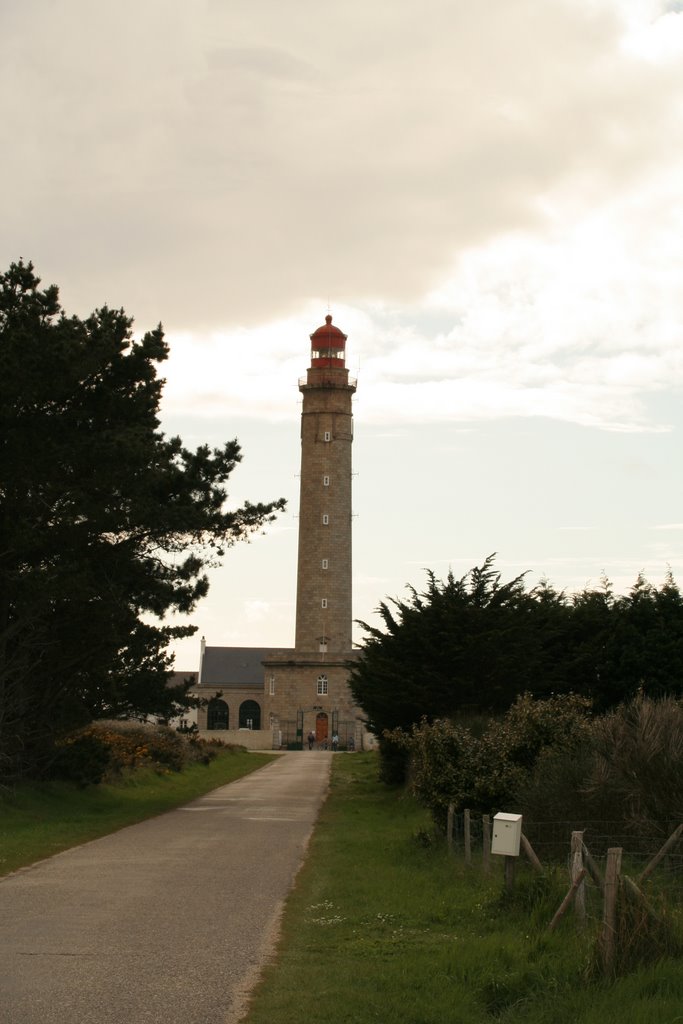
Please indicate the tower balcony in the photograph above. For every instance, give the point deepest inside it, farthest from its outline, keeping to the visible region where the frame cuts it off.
(328, 382)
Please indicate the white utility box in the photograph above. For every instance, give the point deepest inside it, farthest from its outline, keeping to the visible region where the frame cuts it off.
(507, 834)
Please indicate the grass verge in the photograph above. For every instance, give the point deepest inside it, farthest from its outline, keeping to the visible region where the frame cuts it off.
(37, 821)
(384, 926)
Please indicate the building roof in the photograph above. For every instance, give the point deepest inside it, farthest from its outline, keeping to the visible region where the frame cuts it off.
(179, 678)
(233, 666)
(329, 333)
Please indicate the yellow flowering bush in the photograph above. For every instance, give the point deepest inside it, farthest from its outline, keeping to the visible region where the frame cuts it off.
(105, 749)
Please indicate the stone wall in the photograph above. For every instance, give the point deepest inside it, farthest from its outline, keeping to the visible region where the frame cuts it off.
(252, 739)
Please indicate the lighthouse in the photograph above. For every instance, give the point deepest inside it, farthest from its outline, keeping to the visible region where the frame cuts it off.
(262, 696)
(323, 593)
(307, 687)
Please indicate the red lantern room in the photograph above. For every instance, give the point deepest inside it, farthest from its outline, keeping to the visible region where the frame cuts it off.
(328, 345)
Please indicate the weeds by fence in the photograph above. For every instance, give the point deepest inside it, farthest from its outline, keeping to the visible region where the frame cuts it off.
(625, 889)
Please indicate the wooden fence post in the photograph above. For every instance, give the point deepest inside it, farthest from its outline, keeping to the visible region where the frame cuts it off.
(510, 863)
(609, 915)
(449, 827)
(467, 836)
(531, 854)
(671, 841)
(562, 909)
(576, 866)
(593, 869)
(486, 838)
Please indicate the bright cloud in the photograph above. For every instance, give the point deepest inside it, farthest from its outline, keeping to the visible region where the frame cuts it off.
(578, 323)
(224, 163)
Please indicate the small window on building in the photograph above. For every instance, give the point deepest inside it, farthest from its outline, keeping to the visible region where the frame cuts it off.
(326, 519)
(326, 481)
(323, 603)
(327, 435)
(271, 685)
(322, 686)
(323, 644)
(325, 563)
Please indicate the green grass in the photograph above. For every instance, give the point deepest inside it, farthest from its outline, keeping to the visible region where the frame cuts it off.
(37, 821)
(381, 927)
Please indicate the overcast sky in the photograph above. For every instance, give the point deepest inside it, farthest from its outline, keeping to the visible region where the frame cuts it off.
(488, 196)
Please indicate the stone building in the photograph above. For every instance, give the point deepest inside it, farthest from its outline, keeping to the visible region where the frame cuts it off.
(282, 696)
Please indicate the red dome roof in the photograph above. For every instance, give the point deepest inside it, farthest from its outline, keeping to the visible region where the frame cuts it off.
(328, 335)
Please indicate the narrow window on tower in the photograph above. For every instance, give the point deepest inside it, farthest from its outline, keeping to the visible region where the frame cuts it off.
(271, 683)
(326, 481)
(326, 519)
(325, 563)
(322, 686)
(323, 644)
(323, 603)
(327, 435)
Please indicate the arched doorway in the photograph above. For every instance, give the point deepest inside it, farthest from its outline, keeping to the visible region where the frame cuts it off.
(250, 715)
(217, 714)
(321, 727)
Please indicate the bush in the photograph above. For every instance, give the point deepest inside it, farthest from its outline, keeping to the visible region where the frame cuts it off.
(451, 765)
(394, 756)
(553, 790)
(106, 749)
(628, 763)
(638, 763)
(83, 759)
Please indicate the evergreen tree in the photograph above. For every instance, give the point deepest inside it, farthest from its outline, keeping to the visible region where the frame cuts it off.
(106, 524)
(469, 644)
(475, 644)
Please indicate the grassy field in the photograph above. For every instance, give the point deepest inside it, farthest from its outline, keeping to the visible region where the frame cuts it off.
(382, 927)
(40, 820)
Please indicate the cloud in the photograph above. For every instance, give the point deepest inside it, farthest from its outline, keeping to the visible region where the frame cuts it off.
(581, 324)
(492, 206)
(217, 165)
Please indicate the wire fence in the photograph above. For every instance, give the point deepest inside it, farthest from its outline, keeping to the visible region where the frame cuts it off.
(624, 884)
(551, 841)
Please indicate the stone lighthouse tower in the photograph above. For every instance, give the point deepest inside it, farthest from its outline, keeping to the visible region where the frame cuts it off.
(306, 688)
(323, 595)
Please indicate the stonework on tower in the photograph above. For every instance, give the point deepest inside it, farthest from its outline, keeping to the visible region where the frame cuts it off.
(305, 697)
(311, 681)
(323, 595)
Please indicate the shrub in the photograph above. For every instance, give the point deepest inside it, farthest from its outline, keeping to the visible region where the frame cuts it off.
(451, 765)
(639, 762)
(83, 758)
(202, 750)
(443, 767)
(553, 790)
(105, 749)
(394, 756)
(629, 763)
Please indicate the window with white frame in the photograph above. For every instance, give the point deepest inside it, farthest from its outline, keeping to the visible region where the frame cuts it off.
(323, 644)
(325, 563)
(327, 435)
(323, 603)
(322, 686)
(326, 481)
(326, 519)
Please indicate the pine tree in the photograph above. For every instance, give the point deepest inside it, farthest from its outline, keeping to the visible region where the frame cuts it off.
(106, 524)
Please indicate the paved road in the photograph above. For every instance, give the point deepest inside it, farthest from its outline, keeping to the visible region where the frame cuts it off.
(166, 921)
